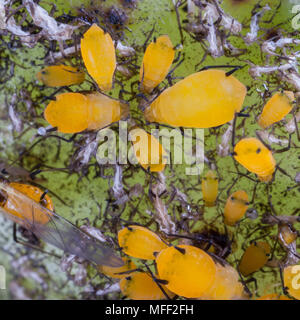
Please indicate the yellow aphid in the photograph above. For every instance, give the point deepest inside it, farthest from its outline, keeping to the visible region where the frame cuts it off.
(226, 285)
(140, 286)
(157, 61)
(235, 208)
(273, 296)
(254, 258)
(140, 242)
(147, 150)
(190, 272)
(61, 75)
(255, 157)
(99, 57)
(210, 185)
(75, 112)
(291, 278)
(118, 272)
(202, 100)
(22, 212)
(276, 108)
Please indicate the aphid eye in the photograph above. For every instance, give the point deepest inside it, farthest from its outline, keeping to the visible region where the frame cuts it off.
(258, 150)
(247, 203)
(154, 39)
(268, 254)
(44, 72)
(232, 198)
(128, 278)
(181, 250)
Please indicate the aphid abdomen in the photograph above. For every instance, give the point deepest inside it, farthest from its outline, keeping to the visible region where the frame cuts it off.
(156, 63)
(276, 108)
(236, 207)
(210, 188)
(202, 100)
(60, 75)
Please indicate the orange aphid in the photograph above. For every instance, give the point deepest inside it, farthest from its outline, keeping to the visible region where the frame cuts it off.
(140, 242)
(99, 57)
(60, 75)
(226, 285)
(273, 296)
(140, 286)
(118, 272)
(75, 112)
(202, 100)
(235, 208)
(157, 61)
(291, 279)
(276, 108)
(189, 273)
(210, 185)
(13, 206)
(254, 258)
(255, 157)
(148, 151)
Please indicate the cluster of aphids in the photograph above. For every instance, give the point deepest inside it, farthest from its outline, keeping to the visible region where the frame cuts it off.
(195, 266)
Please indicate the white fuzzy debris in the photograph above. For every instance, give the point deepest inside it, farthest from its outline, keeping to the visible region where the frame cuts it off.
(11, 26)
(118, 189)
(254, 25)
(265, 135)
(58, 55)
(51, 29)
(18, 291)
(94, 232)
(80, 276)
(14, 117)
(108, 289)
(297, 177)
(290, 126)
(124, 51)
(124, 71)
(257, 71)
(224, 146)
(270, 47)
(85, 154)
(66, 262)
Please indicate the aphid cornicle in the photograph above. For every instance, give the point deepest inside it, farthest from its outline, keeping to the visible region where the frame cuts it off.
(156, 63)
(148, 151)
(99, 57)
(254, 258)
(60, 75)
(140, 286)
(210, 185)
(20, 203)
(140, 242)
(188, 270)
(236, 207)
(276, 108)
(255, 157)
(75, 112)
(201, 100)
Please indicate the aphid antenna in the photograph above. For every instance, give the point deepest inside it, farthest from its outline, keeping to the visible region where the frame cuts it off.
(148, 37)
(158, 281)
(284, 288)
(257, 133)
(244, 283)
(177, 4)
(285, 148)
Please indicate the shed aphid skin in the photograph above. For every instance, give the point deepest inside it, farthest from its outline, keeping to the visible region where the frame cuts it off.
(119, 272)
(148, 151)
(60, 75)
(188, 270)
(291, 276)
(75, 112)
(210, 184)
(18, 203)
(226, 285)
(141, 286)
(255, 157)
(254, 258)
(211, 98)
(156, 63)
(99, 57)
(235, 207)
(140, 242)
(276, 108)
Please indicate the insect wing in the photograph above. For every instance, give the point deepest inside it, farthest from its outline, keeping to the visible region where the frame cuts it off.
(59, 231)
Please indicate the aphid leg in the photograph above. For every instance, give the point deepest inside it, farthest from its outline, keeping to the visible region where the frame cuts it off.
(233, 133)
(158, 281)
(244, 283)
(284, 288)
(222, 66)
(148, 37)
(262, 141)
(285, 148)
